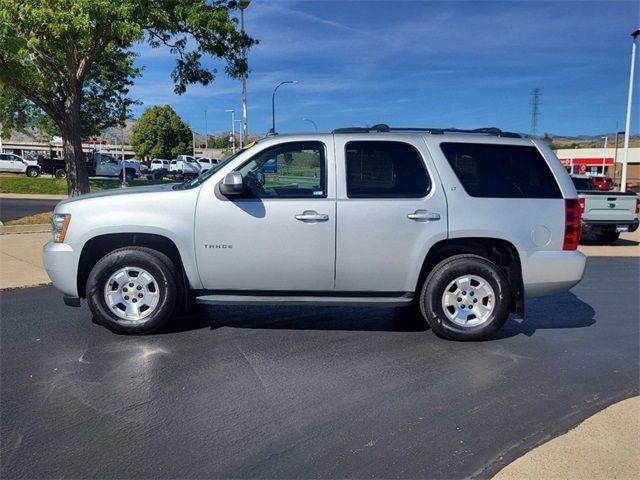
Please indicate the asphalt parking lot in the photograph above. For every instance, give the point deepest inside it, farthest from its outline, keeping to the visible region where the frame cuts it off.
(12, 208)
(296, 392)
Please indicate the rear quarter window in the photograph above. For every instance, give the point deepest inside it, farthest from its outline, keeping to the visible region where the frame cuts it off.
(501, 171)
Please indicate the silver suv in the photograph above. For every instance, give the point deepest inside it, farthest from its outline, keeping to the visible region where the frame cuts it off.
(461, 226)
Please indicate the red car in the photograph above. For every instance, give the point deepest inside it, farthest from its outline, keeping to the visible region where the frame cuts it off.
(602, 183)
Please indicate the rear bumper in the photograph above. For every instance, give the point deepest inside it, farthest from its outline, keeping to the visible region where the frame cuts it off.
(61, 264)
(547, 273)
(589, 225)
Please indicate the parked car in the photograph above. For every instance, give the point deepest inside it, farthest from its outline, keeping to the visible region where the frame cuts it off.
(11, 163)
(205, 163)
(188, 166)
(462, 226)
(602, 182)
(159, 163)
(99, 164)
(606, 214)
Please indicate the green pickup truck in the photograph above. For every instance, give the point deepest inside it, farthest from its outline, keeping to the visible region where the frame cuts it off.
(606, 214)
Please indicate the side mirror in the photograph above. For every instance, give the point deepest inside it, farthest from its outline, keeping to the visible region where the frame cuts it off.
(232, 185)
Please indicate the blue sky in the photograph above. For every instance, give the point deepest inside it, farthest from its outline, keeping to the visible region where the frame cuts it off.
(419, 63)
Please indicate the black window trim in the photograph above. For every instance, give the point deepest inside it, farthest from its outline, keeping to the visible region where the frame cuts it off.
(313, 197)
(387, 196)
(552, 173)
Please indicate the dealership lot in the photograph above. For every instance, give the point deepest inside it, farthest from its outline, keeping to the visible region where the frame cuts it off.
(307, 392)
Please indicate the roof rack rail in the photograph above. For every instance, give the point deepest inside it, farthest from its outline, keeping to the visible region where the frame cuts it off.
(381, 127)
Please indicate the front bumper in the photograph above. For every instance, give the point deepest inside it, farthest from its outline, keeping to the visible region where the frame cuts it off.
(550, 272)
(61, 264)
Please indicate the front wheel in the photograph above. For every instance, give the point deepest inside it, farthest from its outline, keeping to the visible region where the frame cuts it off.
(33, 172)
(466, 297)
(133, 290)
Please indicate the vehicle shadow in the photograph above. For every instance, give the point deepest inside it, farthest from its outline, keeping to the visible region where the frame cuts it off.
(383, 319)
(559, 311)
(590, 240)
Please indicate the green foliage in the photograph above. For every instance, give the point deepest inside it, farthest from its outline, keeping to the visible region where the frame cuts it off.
(161, 133)
(549, 139)
(222, 141)
(72, 60)
(55, 186)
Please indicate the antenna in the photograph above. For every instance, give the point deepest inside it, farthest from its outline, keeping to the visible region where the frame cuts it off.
(535, 111)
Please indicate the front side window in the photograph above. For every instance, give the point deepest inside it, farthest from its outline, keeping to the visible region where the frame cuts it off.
(501, 171)
(385, 170)
(289, 170)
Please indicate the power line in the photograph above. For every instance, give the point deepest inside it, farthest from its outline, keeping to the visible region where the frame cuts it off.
(535, 111)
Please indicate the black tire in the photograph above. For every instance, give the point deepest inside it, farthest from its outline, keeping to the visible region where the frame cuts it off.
(60, 173)
(450, 269)
(33, 172)
(163, 270)
(607, 238)
(128, 176)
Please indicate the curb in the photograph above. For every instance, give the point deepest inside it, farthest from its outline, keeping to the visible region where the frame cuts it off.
(18, 229)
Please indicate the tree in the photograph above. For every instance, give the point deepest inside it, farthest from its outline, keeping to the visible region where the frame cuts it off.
(549, 139)
(161, 133)
(221, 141)
(50, 50)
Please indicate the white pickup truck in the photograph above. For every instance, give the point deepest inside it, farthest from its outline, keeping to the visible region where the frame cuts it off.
(11, 163)
(606, 214)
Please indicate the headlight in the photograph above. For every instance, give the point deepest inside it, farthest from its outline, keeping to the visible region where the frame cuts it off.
(60, 224)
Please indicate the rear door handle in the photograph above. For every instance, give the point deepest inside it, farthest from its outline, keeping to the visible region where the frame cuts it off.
(311, 216)
(423, 216)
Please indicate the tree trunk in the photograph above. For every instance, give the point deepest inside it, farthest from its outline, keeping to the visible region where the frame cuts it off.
(77, 175)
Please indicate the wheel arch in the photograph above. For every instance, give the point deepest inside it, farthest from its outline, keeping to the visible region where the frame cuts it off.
(97, 247)
(499, 251)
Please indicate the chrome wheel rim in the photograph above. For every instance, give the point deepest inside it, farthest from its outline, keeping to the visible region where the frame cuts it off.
(468, 301)
(132, 294)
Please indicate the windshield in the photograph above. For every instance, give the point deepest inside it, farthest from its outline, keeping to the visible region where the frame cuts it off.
(205, 176)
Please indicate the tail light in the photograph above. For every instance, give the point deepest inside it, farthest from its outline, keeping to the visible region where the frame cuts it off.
(637, 206)
(572, 226)
(581, 202)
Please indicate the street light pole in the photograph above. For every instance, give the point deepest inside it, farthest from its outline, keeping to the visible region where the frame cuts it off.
(312, 122)
(206, 136)
(627, 128)
(273, 104)
(233, 130)
(242, 4)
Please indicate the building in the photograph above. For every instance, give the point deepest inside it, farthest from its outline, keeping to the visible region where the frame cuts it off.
(598, 161)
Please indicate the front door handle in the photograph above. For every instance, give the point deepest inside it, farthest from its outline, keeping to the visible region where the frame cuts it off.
(423, 216)
(311, 216)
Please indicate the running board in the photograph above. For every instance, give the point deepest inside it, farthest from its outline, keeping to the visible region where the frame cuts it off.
(304, 300)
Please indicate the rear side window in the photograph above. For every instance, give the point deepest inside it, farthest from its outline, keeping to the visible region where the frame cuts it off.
(385, 170)
(501, 171)
(582, 183)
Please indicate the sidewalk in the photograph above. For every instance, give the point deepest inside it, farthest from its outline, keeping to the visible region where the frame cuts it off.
(604, 446)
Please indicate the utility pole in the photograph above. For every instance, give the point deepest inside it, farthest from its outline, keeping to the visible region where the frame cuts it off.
(535, 111)
(244, 134)
(206, 129)
(233, 130)
(627, 128)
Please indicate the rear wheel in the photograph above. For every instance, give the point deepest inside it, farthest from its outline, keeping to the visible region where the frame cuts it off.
(466, 297)
(134, 290)
(60, 173)
(607, 238)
